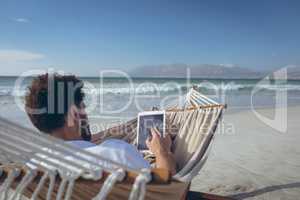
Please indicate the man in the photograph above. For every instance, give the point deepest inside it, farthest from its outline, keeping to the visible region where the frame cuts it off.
(54, 104)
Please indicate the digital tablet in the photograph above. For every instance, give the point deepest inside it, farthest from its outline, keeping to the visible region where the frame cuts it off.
(146, 121)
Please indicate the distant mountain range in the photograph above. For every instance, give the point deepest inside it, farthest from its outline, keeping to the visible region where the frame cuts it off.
(196, 71)
(294, 72)
(205, 71)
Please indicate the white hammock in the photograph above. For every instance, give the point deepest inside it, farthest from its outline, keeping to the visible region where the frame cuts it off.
(197, 120)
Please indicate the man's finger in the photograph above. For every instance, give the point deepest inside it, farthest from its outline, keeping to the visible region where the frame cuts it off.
(157, 131)
(154, 133)
(148, 138)
(168, 138)
(148, 143)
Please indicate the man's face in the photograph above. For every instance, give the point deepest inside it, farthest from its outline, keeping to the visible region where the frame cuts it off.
(84, 126)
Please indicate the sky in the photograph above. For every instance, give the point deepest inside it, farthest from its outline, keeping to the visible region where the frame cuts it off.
(83, 37)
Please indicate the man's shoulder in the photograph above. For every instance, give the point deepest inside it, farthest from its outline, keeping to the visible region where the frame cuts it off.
(82, 144)
(119, 151)
(113, 142)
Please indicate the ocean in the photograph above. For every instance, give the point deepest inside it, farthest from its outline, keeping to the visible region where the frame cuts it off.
(111, 101)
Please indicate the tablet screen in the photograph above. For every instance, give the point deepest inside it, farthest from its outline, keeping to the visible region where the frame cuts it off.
(146, 121)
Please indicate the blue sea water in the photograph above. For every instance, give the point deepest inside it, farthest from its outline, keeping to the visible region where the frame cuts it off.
(114, 100)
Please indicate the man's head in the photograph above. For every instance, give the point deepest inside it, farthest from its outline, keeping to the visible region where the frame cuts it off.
(54, 104)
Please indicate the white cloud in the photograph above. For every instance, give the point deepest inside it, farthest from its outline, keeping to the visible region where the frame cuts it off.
(21, 20)
(19, 55)
(228, 65)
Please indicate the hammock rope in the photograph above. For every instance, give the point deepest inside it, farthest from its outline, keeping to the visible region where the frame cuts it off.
(109, 183)
(51, 186)
(7, 183)
(29, 176)
(39, 186)
(69, 190)
(139, 187)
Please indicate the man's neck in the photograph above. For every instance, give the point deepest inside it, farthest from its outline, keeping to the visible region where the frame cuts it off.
(64, 134)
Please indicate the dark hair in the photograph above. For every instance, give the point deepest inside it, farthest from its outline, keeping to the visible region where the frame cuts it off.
(55, 94)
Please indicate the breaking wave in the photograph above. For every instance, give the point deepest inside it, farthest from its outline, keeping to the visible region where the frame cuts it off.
(152, 88)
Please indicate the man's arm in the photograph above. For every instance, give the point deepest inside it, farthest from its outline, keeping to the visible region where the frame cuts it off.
(161, 147)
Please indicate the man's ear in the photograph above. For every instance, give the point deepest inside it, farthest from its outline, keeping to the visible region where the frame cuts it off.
(73, 115)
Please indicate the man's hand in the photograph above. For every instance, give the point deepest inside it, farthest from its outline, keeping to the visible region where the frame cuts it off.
(161, 147)
(159, 144)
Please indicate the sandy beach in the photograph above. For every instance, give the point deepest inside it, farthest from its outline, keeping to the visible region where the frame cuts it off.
(256, 161)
